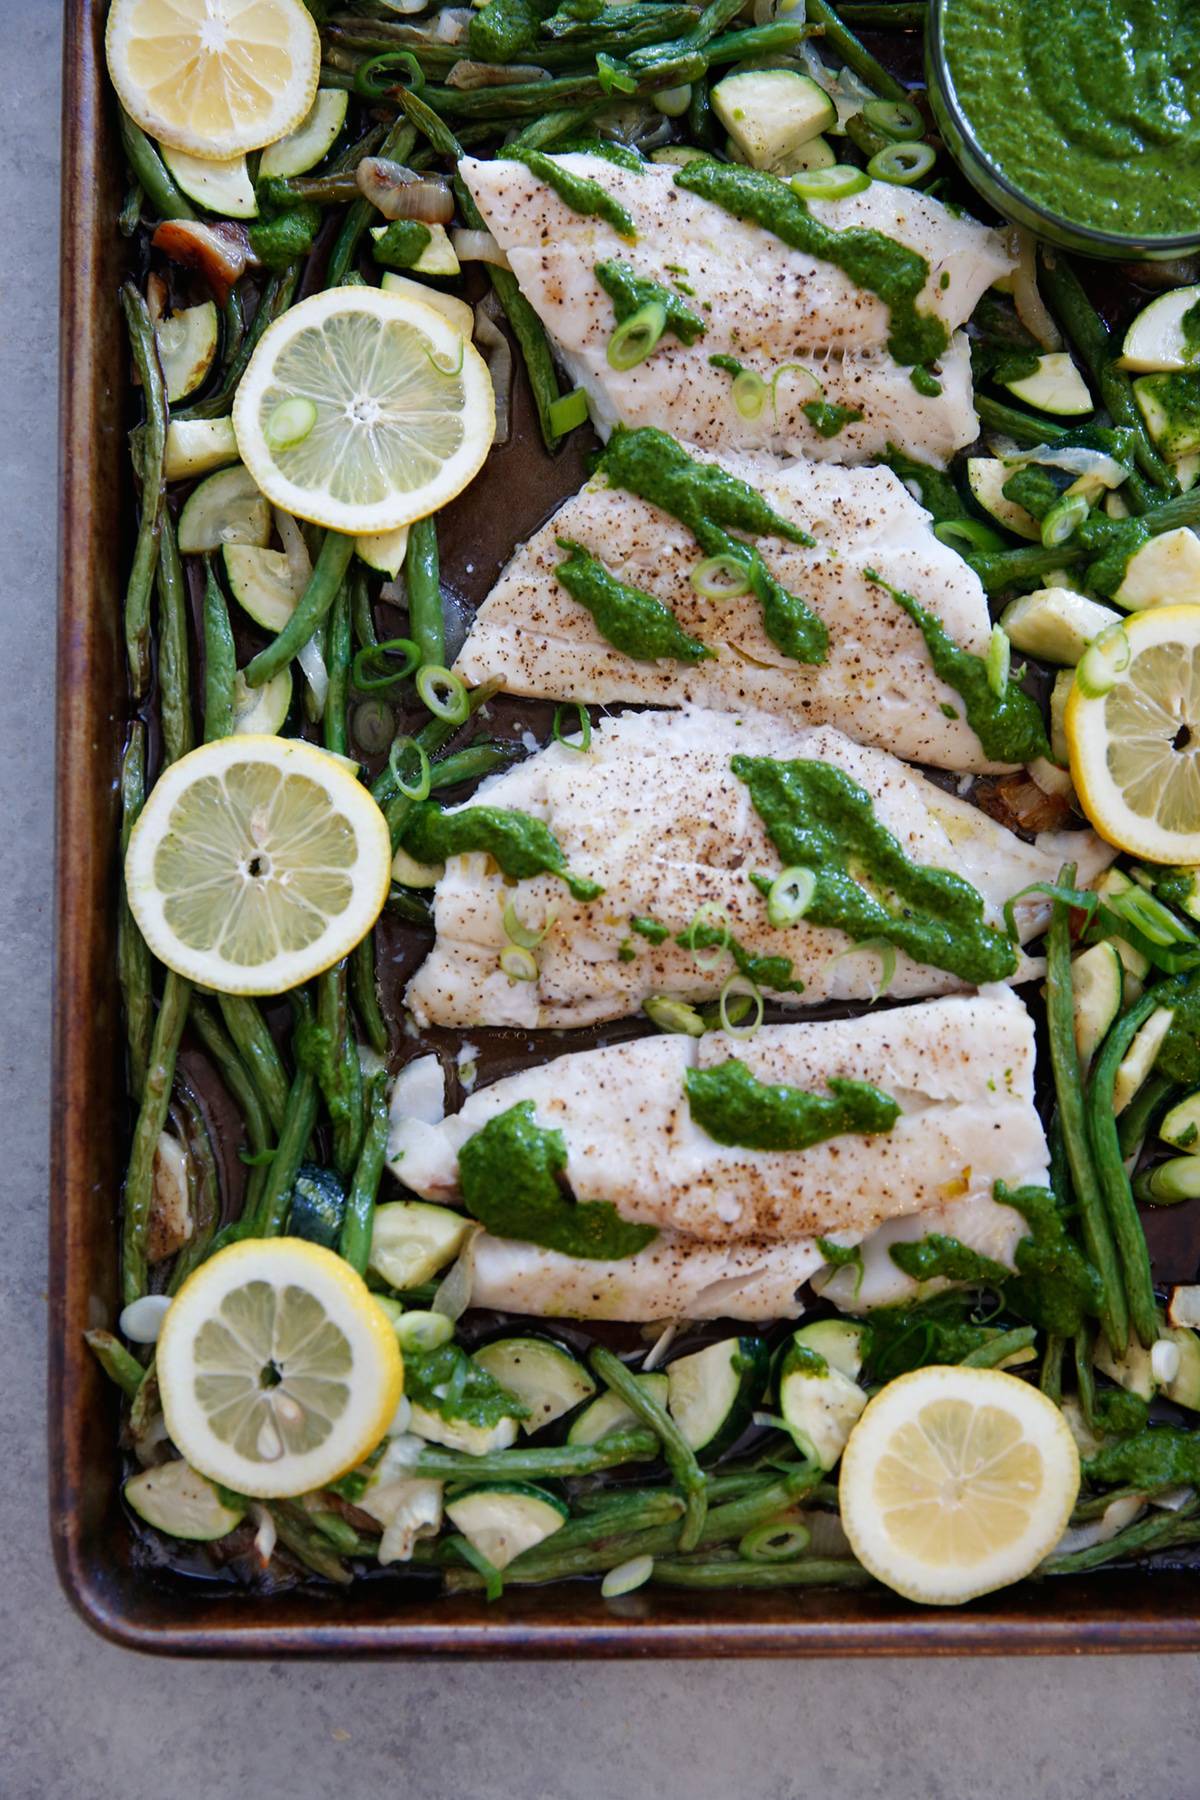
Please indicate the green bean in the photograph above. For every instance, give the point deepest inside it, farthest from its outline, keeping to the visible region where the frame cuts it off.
(298, 1123)
(619, 1513)
(328, 573)
(130, 215)
(1050, 1380)
(540, 134)
(339, 1072)
(333, 189)
(701, 120)
(1147, 1105)
(426, 621)
(337, 658)
(355, 1244)
(204, 1189)
(679, 1455)
(754, 40)
(277, 296)
(1000, 1348)
(1085, 1375)
(714, 18)
(369, 144)
(152, 1116)
(432, 737)
(471, 764)
(220, 660)
(1068, 1083)
(552, 1462)
(174, 680)
(365, 991)
(118, 1364)
(854, 54)
(865, 137)
(241, 1089)
(397, 147)
(1114, 1182)
(535, 350)
(150, 468)
(1144, 1535)
(257, 1049)
(133, 957)
(1022, 427)
(898, 15)
(814, 1571)
(306, 1543)
(1092, 338)
(233, 327)
(361, 616)
(151, 172)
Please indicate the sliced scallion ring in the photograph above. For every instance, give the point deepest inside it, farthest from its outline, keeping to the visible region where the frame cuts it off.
(424, 773)
(834, 183)
(568, 411)
(749, 393)
(708, 916)
(518, 963)
(897, 119)
(1063, 520)
(376, 656)
(722, 577)
(585, 727)
(740, 987)
(999, 661)
(626, 1577)
(673, 1015)
(443, 694)
(901, 164)
(794, 369)
(791, 895)
(779, 1540)
(1106, 657)
(875, 946)
(290, 423)
(637, 336)
(967, 536)
(524, 936)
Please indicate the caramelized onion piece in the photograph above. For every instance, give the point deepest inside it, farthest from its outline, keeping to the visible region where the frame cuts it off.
(1017, 801)
(497, 353)
(478, 246)
(469, 75)
(220, 252)
(401, 193)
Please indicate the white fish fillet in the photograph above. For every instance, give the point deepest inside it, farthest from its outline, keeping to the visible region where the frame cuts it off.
(961, 1070)
(654, 812)
(877, 683)
(762, 302)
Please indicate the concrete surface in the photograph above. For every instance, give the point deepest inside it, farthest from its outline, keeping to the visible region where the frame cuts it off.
(82, 1721)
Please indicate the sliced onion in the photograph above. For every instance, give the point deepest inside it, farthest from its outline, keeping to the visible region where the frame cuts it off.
(264, 1536)
(454, 1293)
(478, 246)
(405, 6)
(400, 193)
(468, 75)
(317, 676)
(294, 547)
(843, 86)
(498, 354)
(1075, 459)
(220, 251)
(1031, 308)
(451, 25)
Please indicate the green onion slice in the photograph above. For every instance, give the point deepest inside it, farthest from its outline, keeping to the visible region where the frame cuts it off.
(740, 987)
(1106, 657)
(794, 368)
(720, 578)
(419, 1331)
(443, 694)
(791, 895)
(424, 772)
(524, 936)
(779, 1540)
(886, 953)
(709, 916)
(585, 727)
(673, 1015)
(568, 411)
(290, 423)
(749, 393)
(1063, 520)
(626, 1577)
(379, 77)
(897, 119)
(518, 963)
(998, 661)
(376, 656)
(637, 336)
(967, 536)
(834, 183)
(901, 164)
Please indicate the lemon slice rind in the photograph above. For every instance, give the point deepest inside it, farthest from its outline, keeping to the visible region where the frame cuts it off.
(405, 410)
(327, 1387)
(184, 73)
(257, 839)
(957, 1481)
(1135, 748)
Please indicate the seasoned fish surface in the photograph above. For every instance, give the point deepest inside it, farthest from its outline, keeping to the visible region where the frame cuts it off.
(877, 683)
(762, 303)
(654, 812)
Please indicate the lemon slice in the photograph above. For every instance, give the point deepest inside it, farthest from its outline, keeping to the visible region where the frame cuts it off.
(398, 410)
(957, 1481)
(214, 77)
(257, 861)
(1133, 730)
(277, 1370)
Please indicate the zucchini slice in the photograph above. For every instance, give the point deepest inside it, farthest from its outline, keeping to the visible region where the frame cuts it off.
(187, 344)
(1157, 341)
(1184, 1387)
(840, 1342)
(1131, 1371)
(504, 1518)
(1140, 1057)
(1170, 405)
(712, 1393)
(986, 476)
(1097, 987)
(1181, 1126)
(1056, 386)
(1055, 623)
(195, 446)
(437, 258)
(175, 1499)
(383, 550)
(543, 1375)
(818, 1401)
(262, 710)
(608, 1412)
(412, 1239)
(459, 1434)
(770, 112)
(227, 508)
(263, 582)
(318, 1206)
(312, 140)
(817, 153)
(219, 187)
(1165, 571)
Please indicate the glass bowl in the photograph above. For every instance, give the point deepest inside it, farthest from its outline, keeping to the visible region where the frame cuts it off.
(990, 180)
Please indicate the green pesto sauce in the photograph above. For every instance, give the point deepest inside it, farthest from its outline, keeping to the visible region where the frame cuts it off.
(620, 154)
(890, 271)
(910, 1336)
(840, 1256)
(1189, 324)
(802, 1359)
(1159, 1457)
(1091, 108)
(827, 417)
(729, 364)
(926, 382)
(278, 242)
(713, 504)
(764, 971)
(626, 951)
(626, 617)
(1179, 1052)
(1009, 725)
(402, 244)
(820, 819)
(935, 489)
(1034, 488)
(652, 929)
(938, 1256)
(734, 1107)
(629, 292)
(1177, 393)
(1056, 1287)
(523, 846)
(510, 1174)
(579, 192)
(449, 1382)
